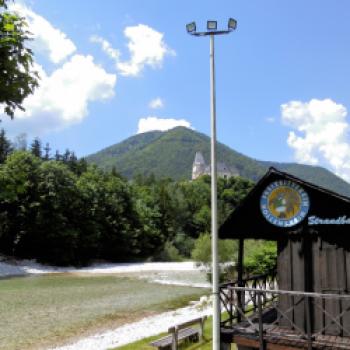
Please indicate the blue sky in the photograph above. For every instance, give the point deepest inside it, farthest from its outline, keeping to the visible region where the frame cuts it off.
(282, 76)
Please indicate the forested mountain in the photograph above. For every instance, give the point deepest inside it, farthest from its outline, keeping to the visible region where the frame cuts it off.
(171, 154)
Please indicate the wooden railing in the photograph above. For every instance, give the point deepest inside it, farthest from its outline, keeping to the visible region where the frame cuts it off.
(309, 315)
(245, 300)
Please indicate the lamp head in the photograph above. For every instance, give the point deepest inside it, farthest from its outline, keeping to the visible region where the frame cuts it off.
(191, 27)
(212, 25)
(232, 24)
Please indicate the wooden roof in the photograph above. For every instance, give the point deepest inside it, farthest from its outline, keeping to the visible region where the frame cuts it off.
(247, 221)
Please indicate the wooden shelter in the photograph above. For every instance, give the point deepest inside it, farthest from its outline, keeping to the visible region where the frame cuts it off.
(306, 304)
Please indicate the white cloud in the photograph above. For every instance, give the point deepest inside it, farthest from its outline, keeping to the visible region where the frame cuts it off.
(270, 119)
(106, 47)
(47, 39)
(162, 124)
(321, 133)
(146, 46)
(63, 97)
(156, 103)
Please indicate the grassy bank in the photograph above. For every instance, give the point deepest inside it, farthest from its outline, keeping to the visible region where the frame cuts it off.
(143, 344)
(206, 344)
(39, 311)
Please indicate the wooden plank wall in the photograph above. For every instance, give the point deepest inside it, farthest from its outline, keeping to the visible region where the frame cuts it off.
(290, 267)
(334, 277)
(284, 274)
(317, 314)
(329, 273)
(298, 272)
(346, 304)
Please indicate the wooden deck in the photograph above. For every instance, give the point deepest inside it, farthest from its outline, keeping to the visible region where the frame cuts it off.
(279, 338)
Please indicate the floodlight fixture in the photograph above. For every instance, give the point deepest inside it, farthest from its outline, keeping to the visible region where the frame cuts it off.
(212, 28)
(232, 24)
(212, 25)
(191, 27)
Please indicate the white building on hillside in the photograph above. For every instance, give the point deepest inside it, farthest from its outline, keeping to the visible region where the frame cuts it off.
(199, 168)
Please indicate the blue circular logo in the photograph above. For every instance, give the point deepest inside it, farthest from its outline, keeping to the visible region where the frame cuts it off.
(284, 203)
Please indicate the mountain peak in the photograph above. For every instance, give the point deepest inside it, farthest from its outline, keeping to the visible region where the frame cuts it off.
(171, 154)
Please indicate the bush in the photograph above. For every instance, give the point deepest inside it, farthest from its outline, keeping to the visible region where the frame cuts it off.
(170, 253)
(184, 244)
(260, 257)
(201, 253)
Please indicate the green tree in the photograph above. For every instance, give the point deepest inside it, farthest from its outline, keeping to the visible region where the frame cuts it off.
(230, 193)
(72, 162)
(82, 166)
(17, 76)
(58, 156)
(109, 214)
(196, 195)
(59, 237)
(152, 237)
(35, 147)
(19, 203)
(47, 150)
(66, 155)
(165, 200)
(5, 146)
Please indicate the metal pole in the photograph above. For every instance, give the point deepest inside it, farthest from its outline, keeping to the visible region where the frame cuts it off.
(214, 228)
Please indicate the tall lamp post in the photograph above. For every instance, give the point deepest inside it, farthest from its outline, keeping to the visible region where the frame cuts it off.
(212, 31)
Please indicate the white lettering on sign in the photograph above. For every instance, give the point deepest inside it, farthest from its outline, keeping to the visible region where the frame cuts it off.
(341, 220)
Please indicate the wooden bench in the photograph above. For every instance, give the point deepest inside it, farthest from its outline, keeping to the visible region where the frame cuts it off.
(179, 333)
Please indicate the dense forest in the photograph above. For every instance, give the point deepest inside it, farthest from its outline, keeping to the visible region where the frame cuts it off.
(60, 210)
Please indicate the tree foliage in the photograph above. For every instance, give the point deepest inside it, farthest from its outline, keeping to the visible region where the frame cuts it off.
(202, 250)
(61, 210)
(5, 146)
(260, 257)
(35, 147)
(18, 79)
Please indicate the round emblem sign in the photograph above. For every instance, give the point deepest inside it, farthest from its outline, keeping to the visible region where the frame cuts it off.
(284, 203)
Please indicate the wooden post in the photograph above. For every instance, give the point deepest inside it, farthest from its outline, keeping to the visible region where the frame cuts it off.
(240, 261)
(174, 339)
(231, 307)
(201, 331)
(308, 323)
(240, 277)
(261, 325)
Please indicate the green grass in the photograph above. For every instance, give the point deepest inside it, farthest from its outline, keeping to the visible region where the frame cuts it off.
(206, 344)
(40, 311)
